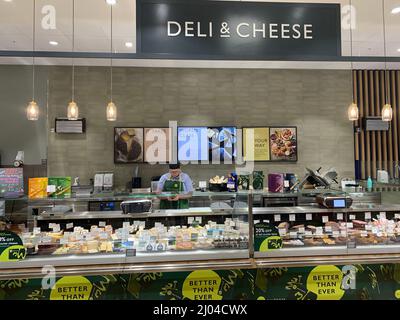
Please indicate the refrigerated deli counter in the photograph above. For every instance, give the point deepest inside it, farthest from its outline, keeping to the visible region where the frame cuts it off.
(122, 246)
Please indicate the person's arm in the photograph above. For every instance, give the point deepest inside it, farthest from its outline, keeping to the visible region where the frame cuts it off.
(160, 185)
(188, 193)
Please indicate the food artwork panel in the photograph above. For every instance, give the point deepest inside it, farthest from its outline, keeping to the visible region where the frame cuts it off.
(256, 144)
(283, 144)
(157, 145)
(222, 143)
(128, 145)
(192, 144)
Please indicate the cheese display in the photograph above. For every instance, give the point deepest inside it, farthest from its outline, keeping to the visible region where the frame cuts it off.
(233, 234)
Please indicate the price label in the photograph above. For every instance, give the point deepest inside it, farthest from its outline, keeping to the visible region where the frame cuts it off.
(382, 215)
(36, 230)
(301, 230)
(293, 234)
(339, 216)
(51, 225)
(256, 221)
(292, 217)
(63, 241)
(277, 217)
(69, 225)
(56, 228)
(130, 252)
(325, 219)
(350, 225)
(368, 215)
(328, 229)
(199, 219)
(190, 220)
(286, 184)
(126, 225)
(352, 217)
(343, 233)
(308, 233)
(308, 216)
(282, 232)
(397, 216)
(335, 234)
(102, 223)
(51, 188)
(319, 231)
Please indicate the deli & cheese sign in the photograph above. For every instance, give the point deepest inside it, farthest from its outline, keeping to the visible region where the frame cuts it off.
(238, 30)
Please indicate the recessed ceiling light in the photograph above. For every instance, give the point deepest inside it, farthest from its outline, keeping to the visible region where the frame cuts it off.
(128, 44)
(111, 2)
(396, 10)
(398, 50)
(53, 43)
(8, 0)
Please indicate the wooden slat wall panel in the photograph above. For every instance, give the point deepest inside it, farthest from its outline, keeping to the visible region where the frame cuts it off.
(377, 150)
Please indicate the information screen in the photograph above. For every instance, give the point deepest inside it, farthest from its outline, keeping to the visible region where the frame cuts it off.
(339, 203)
(11, 182)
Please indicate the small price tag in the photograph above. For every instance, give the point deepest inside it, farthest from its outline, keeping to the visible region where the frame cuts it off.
(256, 221)
(397, 216)
(339, 216)
(293, 234)
(308, 216)
(51, 188)
(352, 217)
(328, 229)
(63, 241)
(51, 225)
(282, 232)
(126, 225)
(130, 252)
(343, 233)
(336, 234)
(199, 219)
(202, 184)
(319, 231)
(308, 233)
(350, 225)
(301, 230)
(286, 184)
(325, 219)
(382, 215)
(368, 215)
(364, 234)
(102, 223)
(56, 228)
(190, 220)
(69, 225)
(292, 217)
(36, 230)
(277, 217)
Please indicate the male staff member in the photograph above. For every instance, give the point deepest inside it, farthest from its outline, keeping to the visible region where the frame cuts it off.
(175, 181)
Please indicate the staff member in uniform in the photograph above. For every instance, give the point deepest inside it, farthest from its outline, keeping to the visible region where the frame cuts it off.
(175, 181)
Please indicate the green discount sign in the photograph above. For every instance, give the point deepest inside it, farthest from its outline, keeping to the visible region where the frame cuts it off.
(266, 237)
(11, 247)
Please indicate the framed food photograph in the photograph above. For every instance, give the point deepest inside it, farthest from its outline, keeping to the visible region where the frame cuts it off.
(283, 143)
(222, 144)
(128, 145)
(157, 145)
(256, 144)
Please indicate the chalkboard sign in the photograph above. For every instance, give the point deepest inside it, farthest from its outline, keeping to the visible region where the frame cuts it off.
(266, 237)
(11, 182)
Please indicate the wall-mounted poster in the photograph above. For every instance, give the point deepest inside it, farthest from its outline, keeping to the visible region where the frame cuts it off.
(128, 145)
(256, 144)
(283, 142)
(222, 143)
(192, 144)
(157, 147)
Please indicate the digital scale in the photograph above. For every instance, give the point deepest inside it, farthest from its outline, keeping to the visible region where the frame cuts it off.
(333, 201)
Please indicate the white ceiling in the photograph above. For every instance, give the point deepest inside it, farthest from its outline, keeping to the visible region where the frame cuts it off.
(92, 30)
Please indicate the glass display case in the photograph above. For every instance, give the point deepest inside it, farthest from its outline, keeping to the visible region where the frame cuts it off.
(112, 229)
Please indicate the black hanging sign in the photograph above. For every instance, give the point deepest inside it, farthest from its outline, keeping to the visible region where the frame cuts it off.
(238, 30)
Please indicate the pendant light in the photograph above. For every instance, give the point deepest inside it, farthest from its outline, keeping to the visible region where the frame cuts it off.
(352, 111)
(73, 110)
(111, 111)
(32, 110)
(387, 111)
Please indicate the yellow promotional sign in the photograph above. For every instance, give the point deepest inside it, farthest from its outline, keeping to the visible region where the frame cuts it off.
(71, 288)
(202, 285)
(11, 247)
(271, 243)
(256, 144)
(326, 282)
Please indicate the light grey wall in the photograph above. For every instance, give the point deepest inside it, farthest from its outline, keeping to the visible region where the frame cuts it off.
(313, 100)
(16, 132)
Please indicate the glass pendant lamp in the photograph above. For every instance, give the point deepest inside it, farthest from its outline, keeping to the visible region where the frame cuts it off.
(111, 111)
(32, 110)
(387, 111)
(352, 111)
(73, 109)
